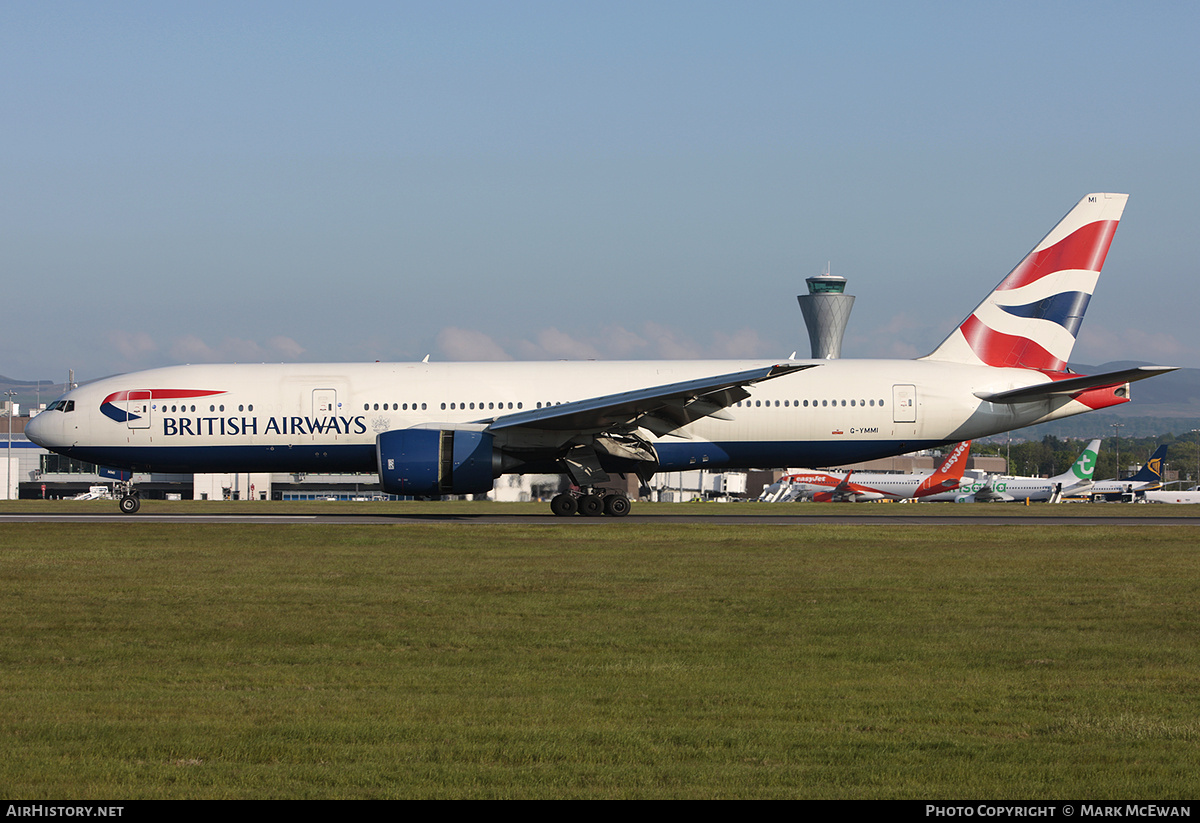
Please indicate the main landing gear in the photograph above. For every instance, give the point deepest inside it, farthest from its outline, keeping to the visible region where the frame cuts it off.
(590, 503)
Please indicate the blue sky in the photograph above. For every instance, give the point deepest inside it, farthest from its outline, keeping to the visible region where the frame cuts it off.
(381, 181)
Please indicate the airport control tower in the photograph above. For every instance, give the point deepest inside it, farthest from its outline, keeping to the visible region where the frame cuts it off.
(826, 309)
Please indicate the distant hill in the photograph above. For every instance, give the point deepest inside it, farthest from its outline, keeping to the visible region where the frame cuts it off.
(30, 392)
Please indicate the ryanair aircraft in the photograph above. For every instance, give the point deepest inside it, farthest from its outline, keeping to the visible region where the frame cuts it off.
(433, 429)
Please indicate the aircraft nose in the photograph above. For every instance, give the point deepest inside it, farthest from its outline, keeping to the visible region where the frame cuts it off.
(37, 429)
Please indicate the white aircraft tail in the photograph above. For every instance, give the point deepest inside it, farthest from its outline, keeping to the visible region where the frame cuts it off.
(1030, 320)
(1081, 470)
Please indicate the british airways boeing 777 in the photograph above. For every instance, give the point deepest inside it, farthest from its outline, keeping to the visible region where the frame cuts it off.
(431, 429)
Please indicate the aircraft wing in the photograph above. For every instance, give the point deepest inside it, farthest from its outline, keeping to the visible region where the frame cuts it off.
(660, 409)
(1080, 489)
(846, 491)
(988, 494)
(1074, 385)
(843, 490)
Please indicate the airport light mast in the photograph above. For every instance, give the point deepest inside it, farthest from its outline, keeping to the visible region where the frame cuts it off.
(10, 394)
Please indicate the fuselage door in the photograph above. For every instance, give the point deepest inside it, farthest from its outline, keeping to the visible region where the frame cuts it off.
(324, 402)
(904, 403)
(137, 409)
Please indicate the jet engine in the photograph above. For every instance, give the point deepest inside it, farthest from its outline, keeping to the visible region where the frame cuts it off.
(433, 462)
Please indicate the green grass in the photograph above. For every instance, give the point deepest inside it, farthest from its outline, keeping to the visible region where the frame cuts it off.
(145, 660)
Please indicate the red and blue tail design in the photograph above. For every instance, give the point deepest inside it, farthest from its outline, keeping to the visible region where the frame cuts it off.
(1030, 320)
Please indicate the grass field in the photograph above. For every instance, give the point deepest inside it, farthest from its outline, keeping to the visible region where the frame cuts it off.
(150, 660)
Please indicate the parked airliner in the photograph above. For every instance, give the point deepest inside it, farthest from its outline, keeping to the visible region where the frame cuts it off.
(1001, 488)
(433, 429)
(859, 487)
(1147, 477)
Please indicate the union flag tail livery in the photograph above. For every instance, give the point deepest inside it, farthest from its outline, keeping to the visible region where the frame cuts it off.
(433, 429)
(1030, 320)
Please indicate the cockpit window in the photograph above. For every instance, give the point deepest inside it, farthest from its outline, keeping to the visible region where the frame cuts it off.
(62, 406)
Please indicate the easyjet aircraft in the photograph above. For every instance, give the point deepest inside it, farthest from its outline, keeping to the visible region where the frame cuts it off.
(433, 429)
(857, 487)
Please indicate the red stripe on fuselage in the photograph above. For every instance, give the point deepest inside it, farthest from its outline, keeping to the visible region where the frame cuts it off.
(160, 394)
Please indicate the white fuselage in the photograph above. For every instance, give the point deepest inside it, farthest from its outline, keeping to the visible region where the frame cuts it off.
(1003, 487)
(1185, 497)
(1112, 487)
(861, 486)
(325, 417)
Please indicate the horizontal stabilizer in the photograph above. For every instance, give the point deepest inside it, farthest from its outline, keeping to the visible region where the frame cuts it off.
(1074, 385)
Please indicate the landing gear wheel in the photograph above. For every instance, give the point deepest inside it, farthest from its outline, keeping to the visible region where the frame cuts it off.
(130, 503)
(564, 505)
(591, 505)
(617, 505)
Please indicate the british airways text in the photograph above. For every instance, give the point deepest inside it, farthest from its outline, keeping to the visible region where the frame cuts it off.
(234, 426)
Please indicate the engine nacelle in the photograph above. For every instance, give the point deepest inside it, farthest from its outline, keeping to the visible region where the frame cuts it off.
(430, 463)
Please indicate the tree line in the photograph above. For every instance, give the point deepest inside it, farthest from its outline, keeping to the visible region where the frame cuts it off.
(1052, 455)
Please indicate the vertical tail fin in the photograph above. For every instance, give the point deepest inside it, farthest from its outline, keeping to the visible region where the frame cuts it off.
(948, 475)
(1152, 471)
(1082, 469)
(1030, 320)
